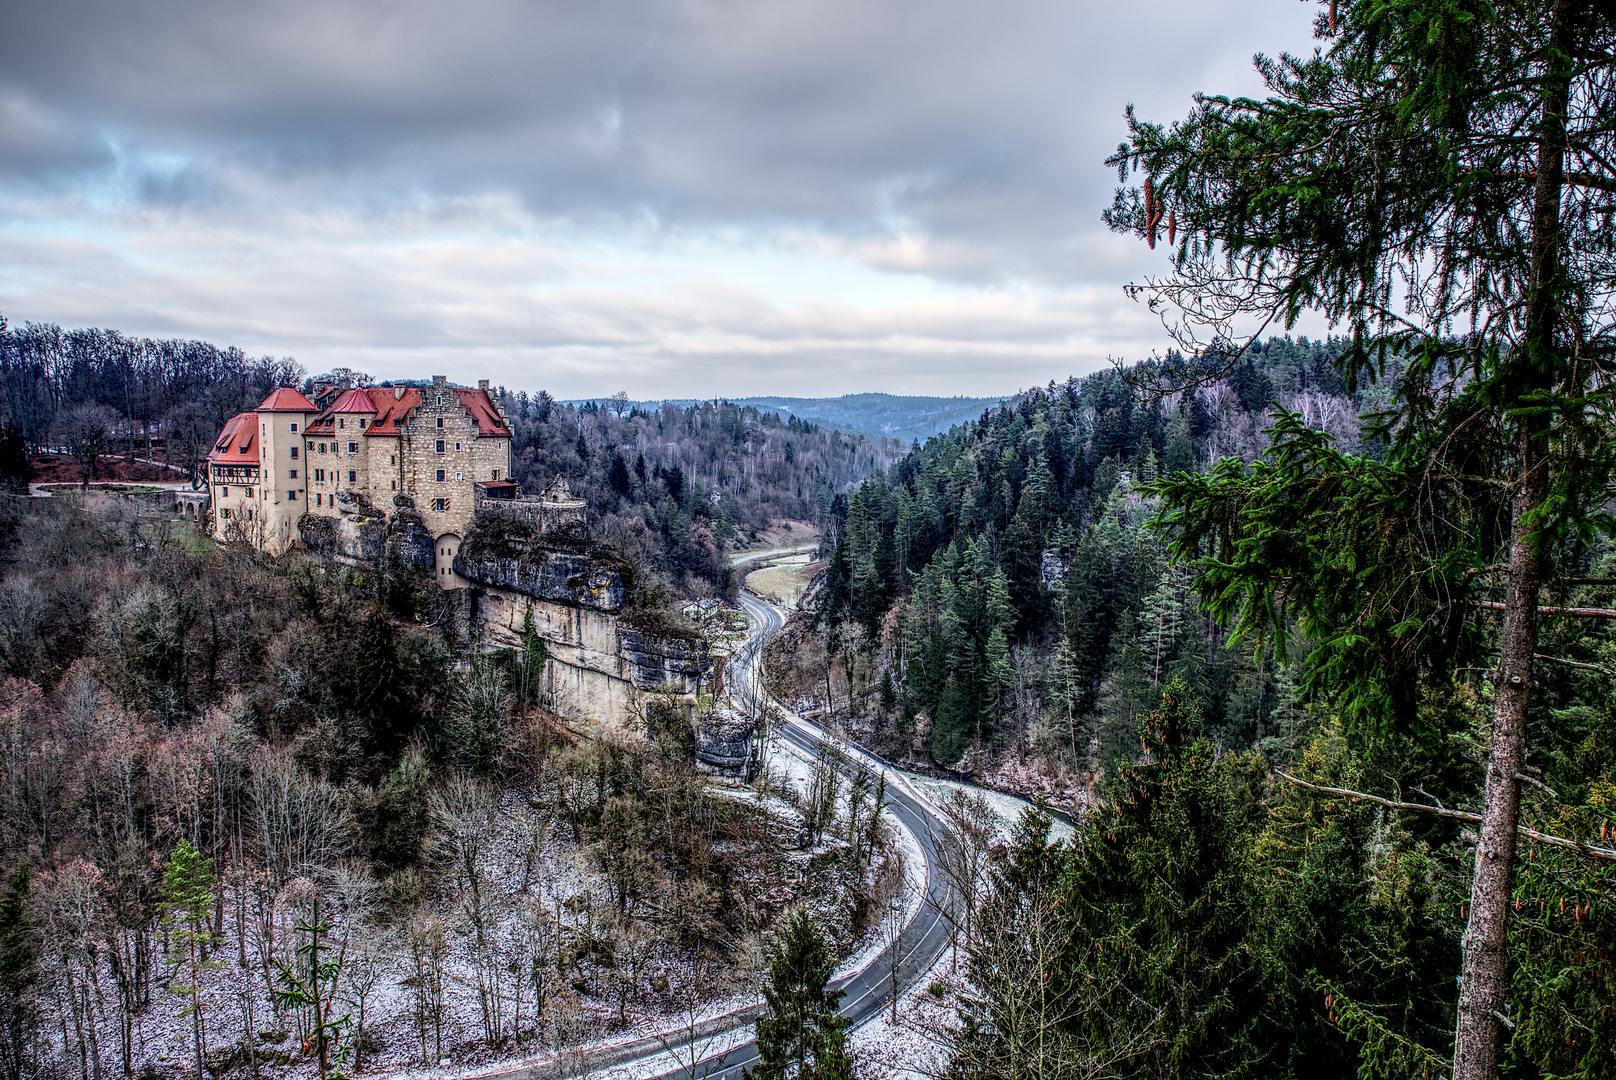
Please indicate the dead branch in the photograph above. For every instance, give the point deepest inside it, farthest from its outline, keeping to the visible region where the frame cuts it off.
(1590, 850)
(1573, 612)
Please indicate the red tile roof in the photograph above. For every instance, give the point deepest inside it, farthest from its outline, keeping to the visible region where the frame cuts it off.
(481, 407)
(237, 443)
(391, 412)
(286, 399)
(353, 401)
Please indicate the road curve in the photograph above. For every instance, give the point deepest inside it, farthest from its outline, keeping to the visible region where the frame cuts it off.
(922, 940)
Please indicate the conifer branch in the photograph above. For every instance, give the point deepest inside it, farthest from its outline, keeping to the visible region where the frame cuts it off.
(1592, 851)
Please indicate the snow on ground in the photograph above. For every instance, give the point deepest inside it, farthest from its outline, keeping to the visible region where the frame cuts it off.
(916, 1046)
(1009, 807)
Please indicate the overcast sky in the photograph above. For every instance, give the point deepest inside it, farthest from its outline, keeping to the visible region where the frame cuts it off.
(679, 198)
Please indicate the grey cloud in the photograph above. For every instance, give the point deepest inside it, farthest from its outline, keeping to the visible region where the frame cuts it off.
(382, 183)
(981, 124)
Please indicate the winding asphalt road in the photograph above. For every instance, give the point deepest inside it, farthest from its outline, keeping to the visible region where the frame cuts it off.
(923, 938)
(864, 992)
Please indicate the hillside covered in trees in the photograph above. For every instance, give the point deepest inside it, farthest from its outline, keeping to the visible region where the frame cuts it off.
(677, 485)
(683, 485)
(998, 592)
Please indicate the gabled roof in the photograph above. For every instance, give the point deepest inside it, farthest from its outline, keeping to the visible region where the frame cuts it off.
(237, 443)
(286, 399)
(481, 407)
(392, 409)
(392, 413)
(354, 401)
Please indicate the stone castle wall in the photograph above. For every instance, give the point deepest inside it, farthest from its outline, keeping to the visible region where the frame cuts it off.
(464, 460)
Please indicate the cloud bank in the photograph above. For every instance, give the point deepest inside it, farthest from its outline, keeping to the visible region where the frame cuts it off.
(678, 198)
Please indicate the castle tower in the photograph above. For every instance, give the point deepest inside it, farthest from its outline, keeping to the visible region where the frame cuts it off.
(283, 417)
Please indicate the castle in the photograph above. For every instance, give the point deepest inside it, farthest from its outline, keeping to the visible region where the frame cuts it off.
(351, 454)
(424, 474)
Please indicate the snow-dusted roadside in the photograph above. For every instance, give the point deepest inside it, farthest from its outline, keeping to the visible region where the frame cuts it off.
(915, 1047)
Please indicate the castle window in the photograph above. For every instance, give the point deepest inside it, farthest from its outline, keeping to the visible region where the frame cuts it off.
(249, 493)
(393, 484)
(457, 476)
(353, 448)
(440, 421)
(457, 448)
(249, 515)
(291, 496)
(341, 423)
(224, 514)
(294, 453)
(225, 494)
(361, 423)
(294, 428)
(322, 448)
(496, 474)
(440, 446)
(351, 476)
(392, 459)
(440, 504)
(440, 476)
(291, 474)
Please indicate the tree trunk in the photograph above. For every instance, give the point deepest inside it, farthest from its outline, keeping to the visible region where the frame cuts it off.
(1485, 978)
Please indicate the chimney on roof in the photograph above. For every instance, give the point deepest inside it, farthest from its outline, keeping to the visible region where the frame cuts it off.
(482, 384)
(440, 380)
(398, 393)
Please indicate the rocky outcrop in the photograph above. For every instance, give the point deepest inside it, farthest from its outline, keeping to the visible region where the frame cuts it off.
(359, 534)
(506, 553)
(604, 656)
(408, 539)
(659, 661)
(724, 742)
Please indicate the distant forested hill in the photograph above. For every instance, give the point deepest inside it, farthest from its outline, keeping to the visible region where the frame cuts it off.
(892, 416)
(996, 589)
(898, 417)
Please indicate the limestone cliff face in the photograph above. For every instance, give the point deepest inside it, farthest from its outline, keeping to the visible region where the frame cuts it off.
(358, 535)
(408, 537)
(506, 553)
(659, 662)
(573, 592)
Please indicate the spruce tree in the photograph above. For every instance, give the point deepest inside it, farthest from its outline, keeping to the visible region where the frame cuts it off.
(1436, 180)
(187, 905)
(19, 969)
(378, 688)
(802, 1038)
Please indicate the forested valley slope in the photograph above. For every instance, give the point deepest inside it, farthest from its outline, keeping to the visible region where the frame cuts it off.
(293, 816)
(998, 597)
(1005, 601)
